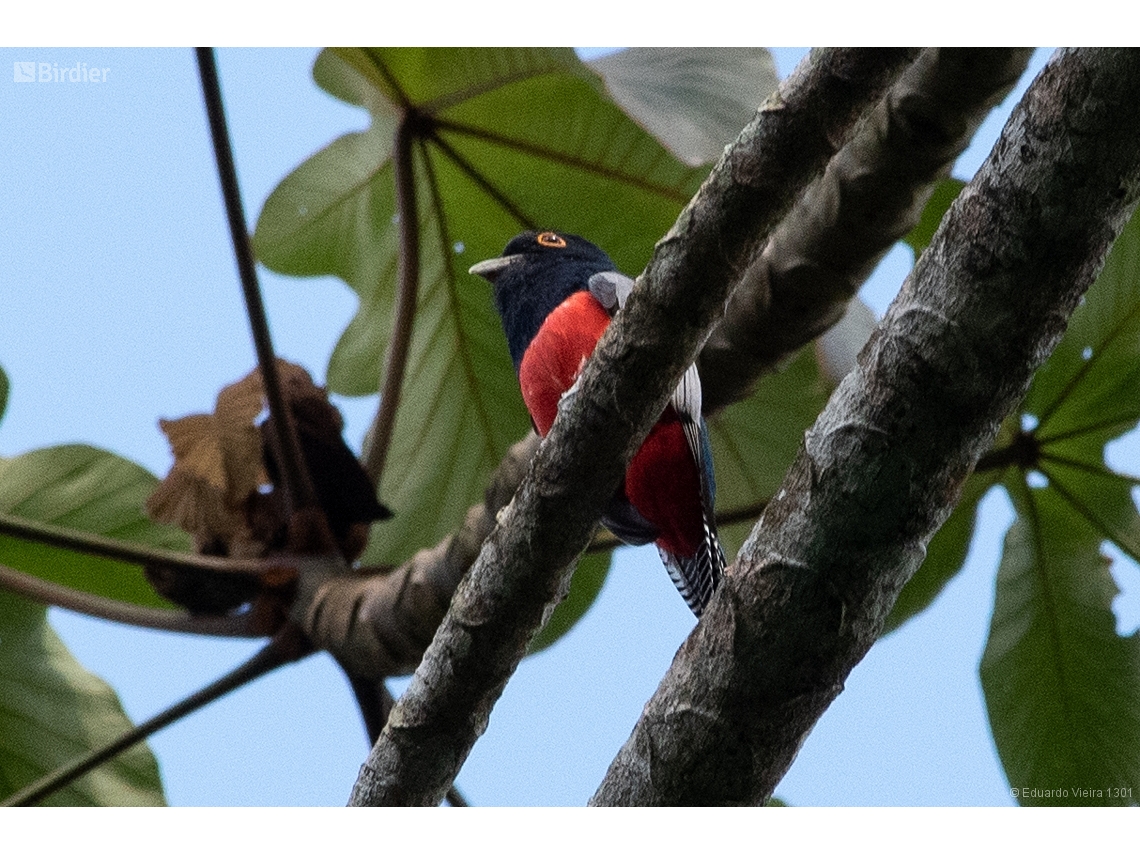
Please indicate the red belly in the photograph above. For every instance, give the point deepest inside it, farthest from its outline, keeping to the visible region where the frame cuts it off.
(555, 357)
(662, 481)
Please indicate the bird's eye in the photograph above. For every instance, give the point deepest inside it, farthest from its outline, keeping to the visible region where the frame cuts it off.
(550, 239)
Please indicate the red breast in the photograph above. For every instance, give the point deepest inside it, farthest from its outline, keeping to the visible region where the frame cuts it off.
(554, 357)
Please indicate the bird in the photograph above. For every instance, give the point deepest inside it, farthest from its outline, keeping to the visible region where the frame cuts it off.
(556, 293)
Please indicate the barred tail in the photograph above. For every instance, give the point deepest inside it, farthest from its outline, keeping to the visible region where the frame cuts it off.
(697, 577)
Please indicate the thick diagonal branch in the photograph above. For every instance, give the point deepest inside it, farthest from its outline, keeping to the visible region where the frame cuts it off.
(885, 462)
(870, 196)
(525, 564)
(379, 625)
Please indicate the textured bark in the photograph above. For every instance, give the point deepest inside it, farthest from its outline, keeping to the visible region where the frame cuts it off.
(379, 625)
(525, 564)
(884, 464)
(871, 195)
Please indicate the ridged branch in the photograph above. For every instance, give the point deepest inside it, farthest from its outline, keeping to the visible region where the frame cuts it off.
(871, 195)
(379, 625)
(884, 464)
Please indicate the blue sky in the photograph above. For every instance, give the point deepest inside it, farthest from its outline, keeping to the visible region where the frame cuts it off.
(120, 306)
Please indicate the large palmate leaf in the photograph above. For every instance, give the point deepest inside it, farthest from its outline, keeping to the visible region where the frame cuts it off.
(502, 140)
(84, 488)
(1053, 635)
(685, 98)
(52, 710)
(1062, 688)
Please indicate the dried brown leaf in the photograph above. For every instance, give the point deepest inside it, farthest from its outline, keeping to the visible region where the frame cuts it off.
(222, 464)
(235, 412)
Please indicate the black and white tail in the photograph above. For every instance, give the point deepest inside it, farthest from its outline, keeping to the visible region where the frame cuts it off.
(697, 577)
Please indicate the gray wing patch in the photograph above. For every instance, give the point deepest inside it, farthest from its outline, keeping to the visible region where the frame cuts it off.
(611, 289)
(686, 401)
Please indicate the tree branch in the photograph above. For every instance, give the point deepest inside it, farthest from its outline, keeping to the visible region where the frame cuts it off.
(246, 625)
(379, 625)
(396, 358)
(296, 483)
(870, 196)
(375, 703)
(287, 646)
(525, 564)
(871, 193)
(887, 171)
(885, 462)
(134, 553)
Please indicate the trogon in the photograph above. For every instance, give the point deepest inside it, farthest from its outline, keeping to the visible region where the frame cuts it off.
(556, 294)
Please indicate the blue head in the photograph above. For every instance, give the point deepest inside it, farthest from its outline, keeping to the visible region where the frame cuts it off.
(535, 273)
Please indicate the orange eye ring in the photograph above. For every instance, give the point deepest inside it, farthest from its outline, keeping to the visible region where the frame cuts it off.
(550, 239)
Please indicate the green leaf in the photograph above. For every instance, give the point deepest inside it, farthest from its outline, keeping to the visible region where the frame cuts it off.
(945, 192)
(1062, 688)
(1102, 497)
(945, 554)
(505, 139)
(52, 710)
(83, 488)
(587, 581)
(693, 100)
